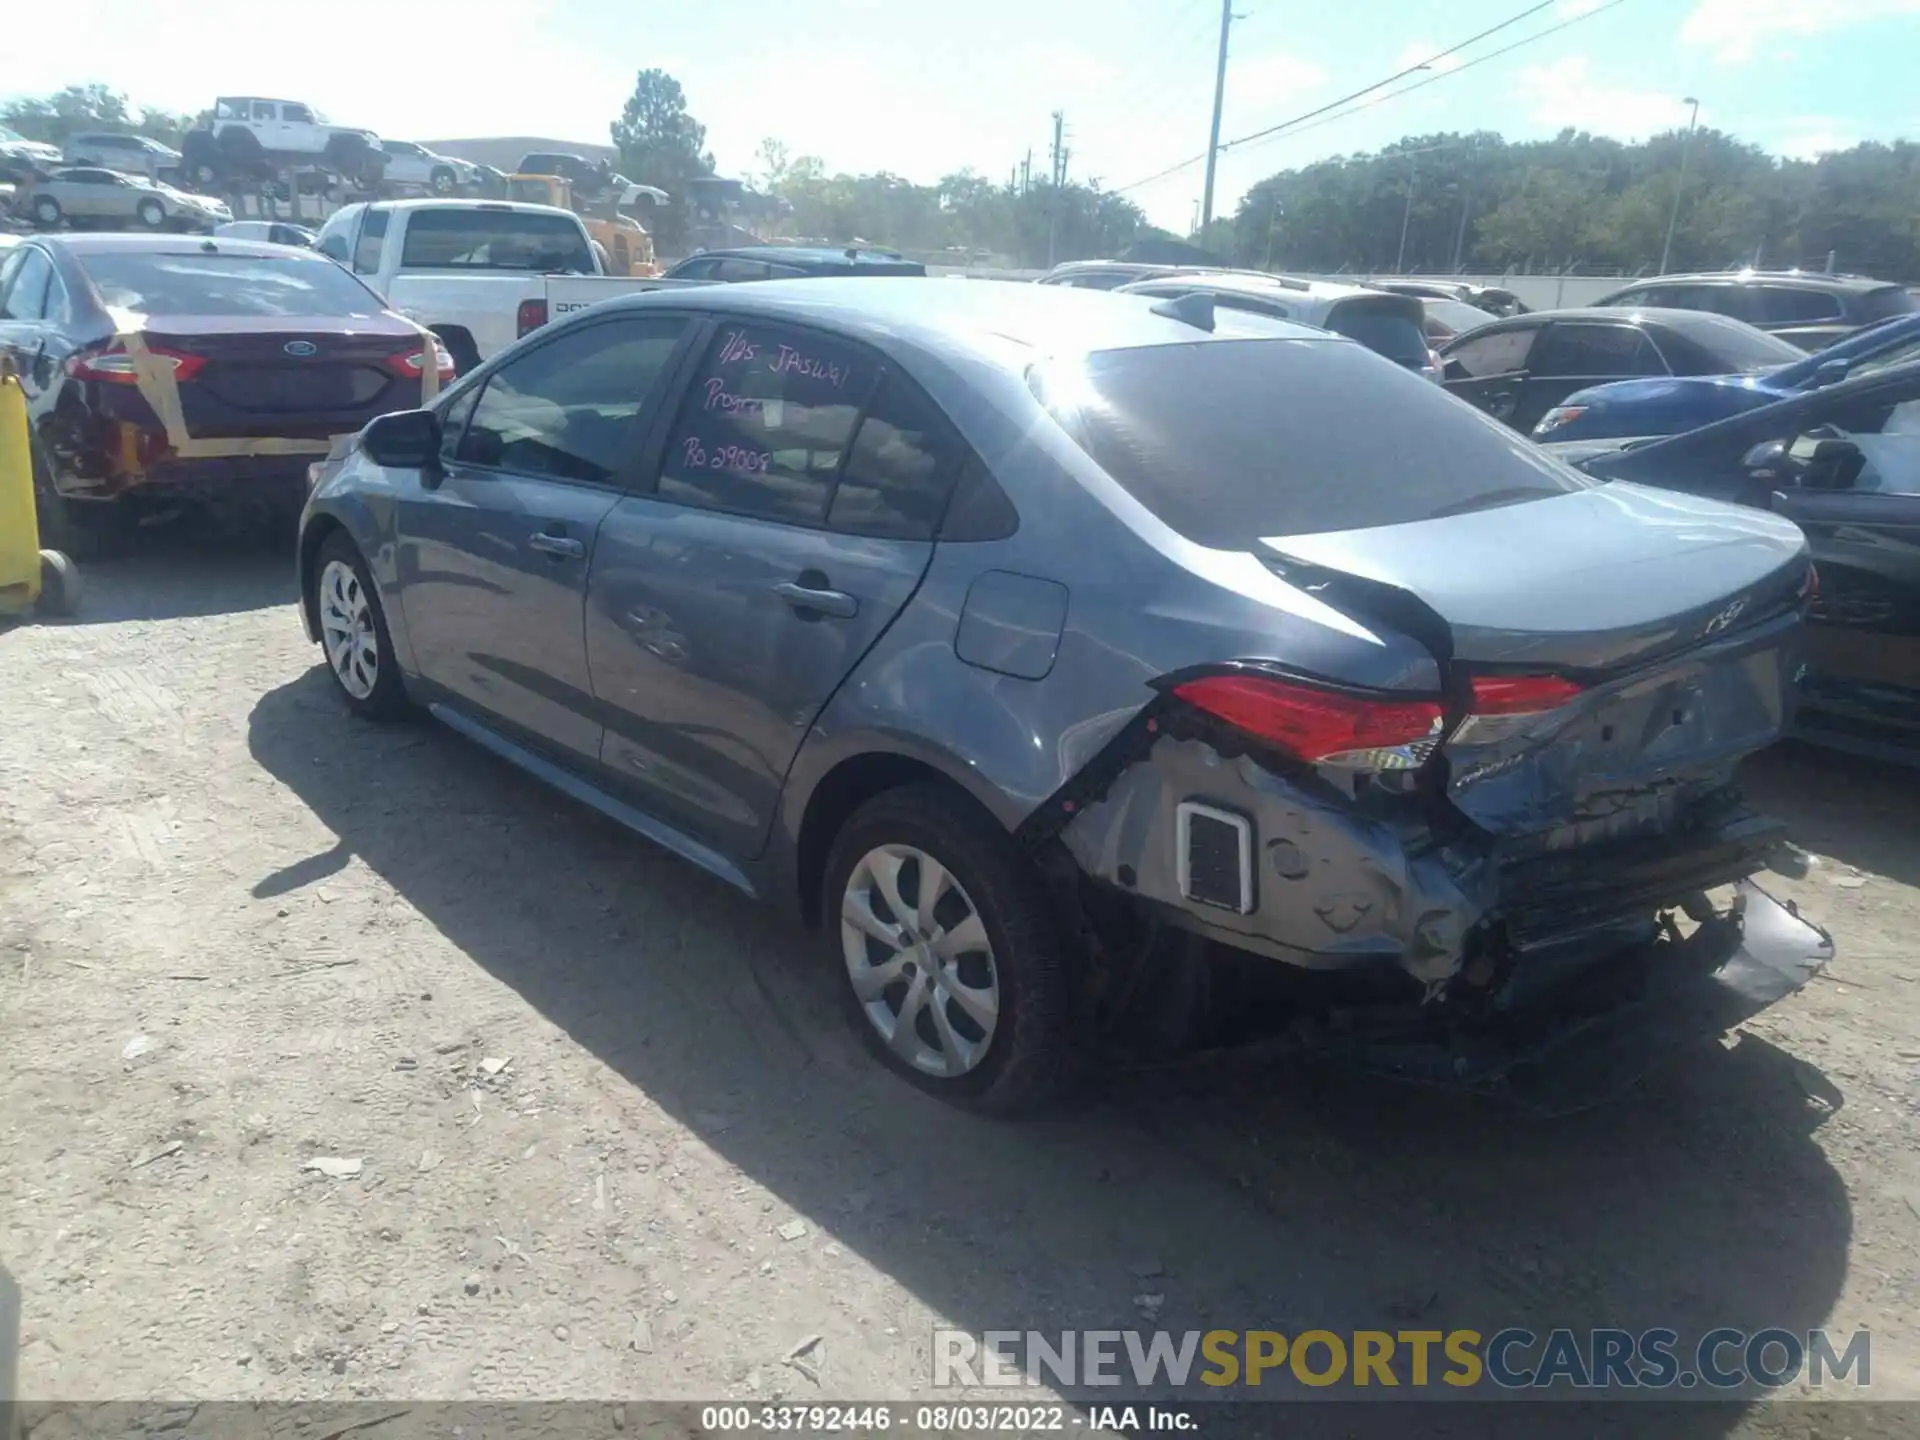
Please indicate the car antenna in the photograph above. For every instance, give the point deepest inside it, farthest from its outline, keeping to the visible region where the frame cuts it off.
(1195, 308)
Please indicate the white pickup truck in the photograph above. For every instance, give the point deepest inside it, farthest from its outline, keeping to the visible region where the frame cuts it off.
(478, 273)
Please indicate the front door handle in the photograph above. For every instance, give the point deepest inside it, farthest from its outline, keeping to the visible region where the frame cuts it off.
(836, 603)
(558, 546)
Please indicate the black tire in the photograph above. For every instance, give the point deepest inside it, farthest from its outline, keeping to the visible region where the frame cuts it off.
(54, 517)
(466, 355)
(1033, 1056)
(152, 214)
(47, 212)
(388, 698)
(60, 585)
(241, 144)
(204, 174)
(443, 181)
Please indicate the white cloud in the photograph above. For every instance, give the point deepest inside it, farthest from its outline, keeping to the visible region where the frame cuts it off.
(1813, 138)
(1271, 77)
(1562, 94)
(1734, 29)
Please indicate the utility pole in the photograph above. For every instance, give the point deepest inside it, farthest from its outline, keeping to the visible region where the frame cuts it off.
(1026, 172)
(1219, 97)
(1059, 156)
(1680, 183)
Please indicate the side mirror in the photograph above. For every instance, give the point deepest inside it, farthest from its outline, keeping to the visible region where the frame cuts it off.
(1831, 373)
(1765, 460)
(404, 440)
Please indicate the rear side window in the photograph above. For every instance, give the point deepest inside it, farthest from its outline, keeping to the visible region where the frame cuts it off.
(1591, 351)
(26, 289)
(766, 424)
(568, 409)
(901, 468)
(736, 270)
(1481, 356)
(1393, 328)
(1786, 305)
(1196, 435)
(483, 239)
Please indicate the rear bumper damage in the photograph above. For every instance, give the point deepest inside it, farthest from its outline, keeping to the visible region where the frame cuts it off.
(1557, 975)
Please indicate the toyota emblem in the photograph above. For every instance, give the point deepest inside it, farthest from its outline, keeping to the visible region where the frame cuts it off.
(301, 348)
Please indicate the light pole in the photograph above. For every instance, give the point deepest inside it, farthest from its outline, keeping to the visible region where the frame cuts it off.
(1406, 216)
(1680, 181)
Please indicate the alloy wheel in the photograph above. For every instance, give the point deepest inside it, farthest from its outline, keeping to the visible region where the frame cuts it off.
(347, 630)
(919, 960)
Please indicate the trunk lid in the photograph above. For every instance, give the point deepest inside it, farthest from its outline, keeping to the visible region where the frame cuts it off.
(1673, 621)
(284, 376)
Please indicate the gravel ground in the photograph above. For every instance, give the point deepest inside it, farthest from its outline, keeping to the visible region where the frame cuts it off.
(343, 1061)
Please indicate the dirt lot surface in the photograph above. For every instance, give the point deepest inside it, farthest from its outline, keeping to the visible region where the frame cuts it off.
(343, 1061)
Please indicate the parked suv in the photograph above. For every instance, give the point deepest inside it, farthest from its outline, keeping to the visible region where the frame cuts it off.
(250, 136)
(129, 154)
(1811, 311)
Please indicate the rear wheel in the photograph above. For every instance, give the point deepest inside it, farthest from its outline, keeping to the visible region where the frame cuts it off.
(954, 972)
(46, 211)
(152, 214)
(353, 632)
(60, 587)
(443, 180)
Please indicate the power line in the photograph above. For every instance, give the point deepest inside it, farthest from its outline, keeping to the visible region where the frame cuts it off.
(1299, 120)
(1435, 79)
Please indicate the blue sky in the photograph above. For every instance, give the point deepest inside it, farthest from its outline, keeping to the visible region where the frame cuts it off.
(922, 89)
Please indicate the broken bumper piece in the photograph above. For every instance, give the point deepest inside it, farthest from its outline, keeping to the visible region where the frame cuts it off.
(1659, 997)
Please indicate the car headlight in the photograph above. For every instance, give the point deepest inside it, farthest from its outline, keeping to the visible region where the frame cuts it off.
(1556, 417)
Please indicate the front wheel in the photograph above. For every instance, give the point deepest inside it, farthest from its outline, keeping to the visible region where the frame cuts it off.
(353, 632)
(955, 974)
(46, 210)
(443, 180)
(152, 214)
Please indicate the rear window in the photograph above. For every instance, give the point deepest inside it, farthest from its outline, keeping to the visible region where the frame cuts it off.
(1879, 304)
(496, 240)
(197, 284)
(1736, 347)
(1390, 327)
(1229, 441)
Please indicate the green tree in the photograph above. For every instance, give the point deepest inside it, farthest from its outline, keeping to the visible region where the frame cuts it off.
(77, 108)
(660, 144)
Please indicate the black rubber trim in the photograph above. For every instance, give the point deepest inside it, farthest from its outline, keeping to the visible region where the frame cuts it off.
(1092, 781)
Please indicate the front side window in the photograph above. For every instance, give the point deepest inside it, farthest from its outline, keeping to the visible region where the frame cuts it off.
(766, 424)
(26, 291)
(568, 409)
(1484, 356)
(297, 114)
(1573, 351)
(737, 270)
(694, 270)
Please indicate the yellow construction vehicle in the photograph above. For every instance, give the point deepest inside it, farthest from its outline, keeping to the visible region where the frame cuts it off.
(623, 240)
(30, 578)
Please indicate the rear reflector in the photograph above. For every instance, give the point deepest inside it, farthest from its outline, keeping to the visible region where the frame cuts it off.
(531, 316)
(1327, 727)
(1520, 694)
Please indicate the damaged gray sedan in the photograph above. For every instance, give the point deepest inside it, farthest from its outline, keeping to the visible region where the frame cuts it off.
(1069, 658)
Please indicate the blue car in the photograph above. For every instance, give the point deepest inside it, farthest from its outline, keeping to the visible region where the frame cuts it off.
(1669, 404)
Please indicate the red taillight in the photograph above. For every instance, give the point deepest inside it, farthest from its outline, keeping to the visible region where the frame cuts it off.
(1810, 587)
(115, 366)
(1520, 694)
(1326, 727)
(408, 364)
(531, 316)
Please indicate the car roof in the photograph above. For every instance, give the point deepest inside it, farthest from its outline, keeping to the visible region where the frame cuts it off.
(952, 316)
(1810, 280)
(806, 255)
(518, 206)
(106, 243)
(1262, 286)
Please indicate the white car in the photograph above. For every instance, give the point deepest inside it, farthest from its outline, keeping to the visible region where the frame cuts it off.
(20, 157)
(128, 154)
(411, 164)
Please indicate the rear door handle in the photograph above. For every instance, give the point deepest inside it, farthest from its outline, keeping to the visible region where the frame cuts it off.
(558, 546)
(836, 603)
